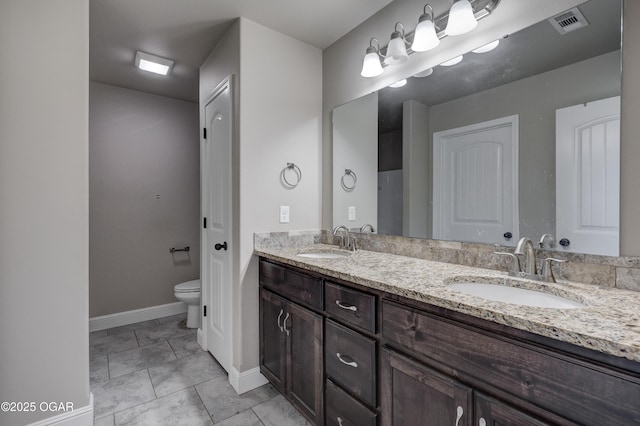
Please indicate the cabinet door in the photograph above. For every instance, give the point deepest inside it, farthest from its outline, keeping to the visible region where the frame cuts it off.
(273, 353)
(490, 412)
(305, 341)
(413, 394)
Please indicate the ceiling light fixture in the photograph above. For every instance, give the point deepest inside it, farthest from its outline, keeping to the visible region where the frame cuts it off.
(398, 83)
(487, 47)
(397, 49)
(461, 18)
(371, 66)
(425, 36)
(153, 63)
(452, 62)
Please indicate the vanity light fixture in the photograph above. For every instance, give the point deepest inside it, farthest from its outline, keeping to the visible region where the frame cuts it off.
(425, 36)
(425, 73)
(487, 47)
(452, 62)
(371, 66)
(398, 83)
(153, 63)
(461, 18)
(397, 49)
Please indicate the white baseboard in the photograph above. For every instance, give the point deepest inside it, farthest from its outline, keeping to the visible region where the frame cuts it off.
(82, 416)
(247, 380)
(137, 315)
(202, 341)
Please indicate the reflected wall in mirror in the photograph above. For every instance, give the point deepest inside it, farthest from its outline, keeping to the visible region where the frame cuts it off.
(446, 122)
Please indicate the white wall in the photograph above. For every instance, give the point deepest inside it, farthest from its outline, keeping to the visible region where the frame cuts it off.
(417, 167)
(280, 122)
(277, 108)
(342, 61)
(44, 355)
(355, 135)
(141, 145)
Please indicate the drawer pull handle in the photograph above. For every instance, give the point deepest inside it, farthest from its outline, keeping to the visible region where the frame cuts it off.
(280, 316)
(346, 362)
(339, 419)
(347, 307)
(482, 422)
(284, 323)
(459, 414)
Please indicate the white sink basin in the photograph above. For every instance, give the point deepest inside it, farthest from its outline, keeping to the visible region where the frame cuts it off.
(515, 295)
(329, 254)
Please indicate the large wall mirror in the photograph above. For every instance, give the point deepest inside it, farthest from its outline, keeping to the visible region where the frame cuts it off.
(522, 140)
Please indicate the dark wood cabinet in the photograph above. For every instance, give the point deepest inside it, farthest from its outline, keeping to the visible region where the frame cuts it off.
(490, 412)
(375, 358)
(413, 394)
(291, 353)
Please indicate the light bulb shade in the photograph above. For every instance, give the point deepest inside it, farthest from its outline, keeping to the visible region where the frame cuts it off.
(461, 18)
(399, 83)
(371, 66)
(487, 47)
(425, 37)
(396, 50)
(452, 62)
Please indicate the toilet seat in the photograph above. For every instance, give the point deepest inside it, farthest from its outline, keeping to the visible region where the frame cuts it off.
(187, 287)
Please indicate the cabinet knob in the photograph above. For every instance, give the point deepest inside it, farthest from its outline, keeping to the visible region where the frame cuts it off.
(346, 361)
(565, 242)
(459, 414)
(347, 307)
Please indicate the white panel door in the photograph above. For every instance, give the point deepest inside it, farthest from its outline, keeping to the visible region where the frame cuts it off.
(475, 193)
(588, 177)
(216, 206)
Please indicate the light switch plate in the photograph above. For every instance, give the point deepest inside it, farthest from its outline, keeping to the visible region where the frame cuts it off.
(284, 214)
(352, 212)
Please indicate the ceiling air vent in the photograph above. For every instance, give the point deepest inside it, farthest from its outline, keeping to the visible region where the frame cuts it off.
(568, 21)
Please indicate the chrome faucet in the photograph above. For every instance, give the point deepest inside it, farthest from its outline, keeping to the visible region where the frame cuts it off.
(525, 246)
(365, 226)
(345, 241)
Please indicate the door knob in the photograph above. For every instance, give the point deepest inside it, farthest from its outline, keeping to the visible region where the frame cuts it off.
(565, 242)
(508, 235)
(221, 246)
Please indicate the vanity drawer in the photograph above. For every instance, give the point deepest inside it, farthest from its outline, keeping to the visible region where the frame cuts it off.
(350, 360)
(343, 410)
(352, 306)
(298, 287)
(587, 393)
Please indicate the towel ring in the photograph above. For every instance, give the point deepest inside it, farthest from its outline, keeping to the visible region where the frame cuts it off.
(297, 171)
(345, 185)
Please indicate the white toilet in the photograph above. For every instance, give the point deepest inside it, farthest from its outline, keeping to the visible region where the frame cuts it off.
(189, 293)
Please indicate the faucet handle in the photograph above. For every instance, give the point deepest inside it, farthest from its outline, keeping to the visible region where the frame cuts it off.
(515, 264)
(547, 271)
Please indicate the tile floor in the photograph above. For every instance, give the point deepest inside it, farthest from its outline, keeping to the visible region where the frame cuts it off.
(155, 373)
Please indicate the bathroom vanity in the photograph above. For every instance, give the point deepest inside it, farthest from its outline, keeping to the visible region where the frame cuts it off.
(378, 339)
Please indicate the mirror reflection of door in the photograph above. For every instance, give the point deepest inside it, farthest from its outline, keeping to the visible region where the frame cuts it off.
(588, 177)
(475, 191)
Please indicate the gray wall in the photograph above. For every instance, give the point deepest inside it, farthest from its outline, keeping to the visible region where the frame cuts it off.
(535, 99)
(342, 61)
(44, 354)
(141, 145)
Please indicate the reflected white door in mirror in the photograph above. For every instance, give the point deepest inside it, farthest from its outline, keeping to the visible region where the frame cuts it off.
(475, 186)
(588, 177)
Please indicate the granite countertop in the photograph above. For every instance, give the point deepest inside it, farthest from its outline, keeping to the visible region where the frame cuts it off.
(609, 323)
